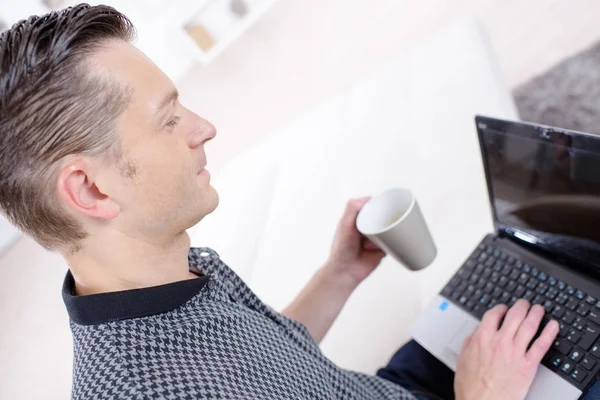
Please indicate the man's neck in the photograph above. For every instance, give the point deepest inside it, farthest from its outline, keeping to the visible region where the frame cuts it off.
(123, 262)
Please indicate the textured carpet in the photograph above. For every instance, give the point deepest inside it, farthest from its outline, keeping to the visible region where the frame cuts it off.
(567, 95)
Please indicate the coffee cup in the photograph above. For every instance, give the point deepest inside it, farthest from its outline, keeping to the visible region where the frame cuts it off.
(394, 221)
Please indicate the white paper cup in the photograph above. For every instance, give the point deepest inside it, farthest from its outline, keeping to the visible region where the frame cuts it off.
(393, 220)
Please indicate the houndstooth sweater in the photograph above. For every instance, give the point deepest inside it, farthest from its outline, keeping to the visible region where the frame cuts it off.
(205, 338)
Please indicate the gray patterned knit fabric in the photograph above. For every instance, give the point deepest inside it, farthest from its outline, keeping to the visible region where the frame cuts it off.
(224, 343)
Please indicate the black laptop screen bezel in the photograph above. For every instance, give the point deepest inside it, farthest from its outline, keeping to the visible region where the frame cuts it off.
(540, 133)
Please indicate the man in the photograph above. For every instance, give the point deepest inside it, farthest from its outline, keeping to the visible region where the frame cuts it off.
(100, 161)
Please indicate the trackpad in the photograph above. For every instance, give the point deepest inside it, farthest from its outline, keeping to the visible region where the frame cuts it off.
(457, 341)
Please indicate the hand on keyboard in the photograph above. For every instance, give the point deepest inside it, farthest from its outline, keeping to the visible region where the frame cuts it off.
(496, 362)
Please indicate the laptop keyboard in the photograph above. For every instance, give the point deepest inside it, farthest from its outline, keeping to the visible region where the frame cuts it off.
(492, 276)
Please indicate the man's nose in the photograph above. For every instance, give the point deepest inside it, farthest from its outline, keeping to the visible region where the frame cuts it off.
(201, 134)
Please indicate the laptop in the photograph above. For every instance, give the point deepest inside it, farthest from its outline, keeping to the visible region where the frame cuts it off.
(544, 190)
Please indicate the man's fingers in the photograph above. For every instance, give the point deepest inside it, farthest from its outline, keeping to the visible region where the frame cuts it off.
(491, 320)
(466, 342)
(369, 245)
(352, 208)
(514, 318)
(529, 327)
(542, 344)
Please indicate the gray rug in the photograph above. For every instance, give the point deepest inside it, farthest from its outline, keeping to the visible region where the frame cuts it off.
(566, 96)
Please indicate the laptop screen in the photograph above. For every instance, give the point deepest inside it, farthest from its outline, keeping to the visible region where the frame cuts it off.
(544, 185)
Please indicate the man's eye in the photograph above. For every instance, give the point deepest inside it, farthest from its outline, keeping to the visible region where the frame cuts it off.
(173, 122)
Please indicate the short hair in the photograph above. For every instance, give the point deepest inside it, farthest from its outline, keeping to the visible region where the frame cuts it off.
(52, 105)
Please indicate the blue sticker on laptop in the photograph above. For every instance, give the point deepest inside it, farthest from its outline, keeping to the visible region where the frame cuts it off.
(444, 305)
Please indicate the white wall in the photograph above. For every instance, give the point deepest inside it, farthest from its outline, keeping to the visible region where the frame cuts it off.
(8, 234)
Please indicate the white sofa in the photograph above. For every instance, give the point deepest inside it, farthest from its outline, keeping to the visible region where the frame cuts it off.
(409, 124)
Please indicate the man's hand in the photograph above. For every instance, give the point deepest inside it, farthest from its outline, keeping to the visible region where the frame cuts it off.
(352, 255)
(495, 362)
(352, 259)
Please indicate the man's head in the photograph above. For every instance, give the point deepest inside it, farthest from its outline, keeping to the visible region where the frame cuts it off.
(92, 136)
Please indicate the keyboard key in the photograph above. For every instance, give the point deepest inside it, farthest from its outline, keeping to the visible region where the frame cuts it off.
(583, 309)
(528, 295)
(504, 299)
(510, 260)
(561, 285)
(563, 330)
(520, 291)
(511, 286)
(595, 350)
(552, 281)
(518, 265)
(590, 300)
(537, 300)
(541, 288)
(573, 336)
(502, 281)
(479, 310)
(489, 287)
(526, 268)
(561, 299)
(567, 368)
(556, 361)
(570, 290)
(503, 256)
(558, 312)
(578, 375)
(580, 295)
(498, 265)
(548, 306)
(568, 317)
(447, 291)
(572, 304)
(470, 304)
(532, 284)
(523, 278)
(562, 346)
(534, 272)
(579, 323)
(588, 362)
(543, 277)
(590, 335)
(576, 355)
(594, 316)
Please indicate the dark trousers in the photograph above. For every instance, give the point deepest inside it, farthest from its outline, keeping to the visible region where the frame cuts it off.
(413, 368)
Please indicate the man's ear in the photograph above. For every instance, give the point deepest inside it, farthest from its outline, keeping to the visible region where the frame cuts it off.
(77, 188)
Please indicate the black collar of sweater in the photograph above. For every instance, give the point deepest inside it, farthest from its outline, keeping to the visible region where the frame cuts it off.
(115, 306)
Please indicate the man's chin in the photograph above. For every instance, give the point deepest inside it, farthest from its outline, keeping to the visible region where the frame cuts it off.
(208, 206)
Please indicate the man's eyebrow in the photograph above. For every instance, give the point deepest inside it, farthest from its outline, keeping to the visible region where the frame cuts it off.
(171, 97)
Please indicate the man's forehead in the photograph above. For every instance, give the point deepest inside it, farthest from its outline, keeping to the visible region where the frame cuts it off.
(126, 64)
